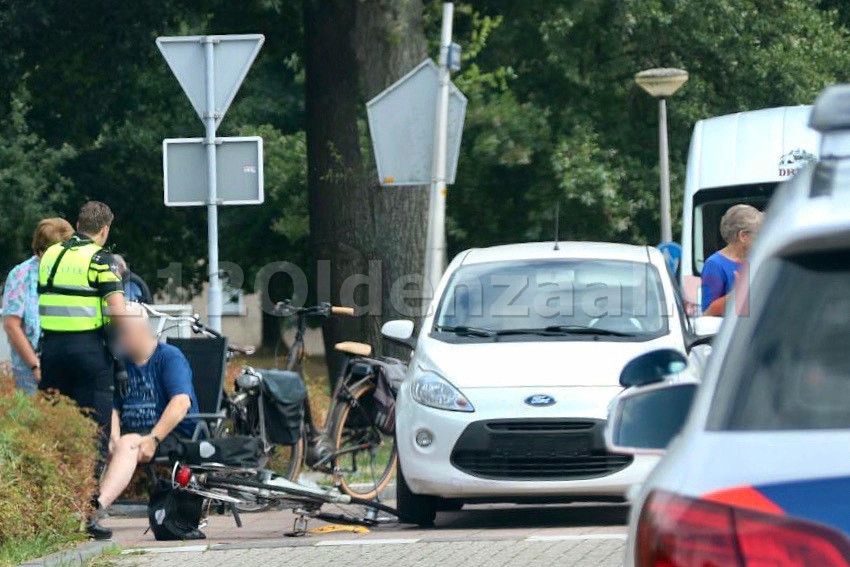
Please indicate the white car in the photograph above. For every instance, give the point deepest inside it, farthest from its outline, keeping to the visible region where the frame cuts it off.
(760, 473)
(514, 369)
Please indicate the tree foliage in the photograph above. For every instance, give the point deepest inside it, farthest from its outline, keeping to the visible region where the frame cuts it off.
(554, 115)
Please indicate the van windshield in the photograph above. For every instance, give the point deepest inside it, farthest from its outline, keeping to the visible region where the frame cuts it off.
(709, 207)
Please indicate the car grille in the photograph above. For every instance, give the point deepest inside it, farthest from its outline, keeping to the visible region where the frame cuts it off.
(541, 449)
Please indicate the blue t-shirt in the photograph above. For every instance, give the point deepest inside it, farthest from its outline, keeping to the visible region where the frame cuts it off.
(718, 278)
(152, 385)
(132, 291)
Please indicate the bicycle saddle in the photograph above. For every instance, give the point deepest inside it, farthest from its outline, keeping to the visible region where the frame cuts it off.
(356, 349)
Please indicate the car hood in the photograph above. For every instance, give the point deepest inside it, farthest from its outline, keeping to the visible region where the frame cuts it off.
(512, 364)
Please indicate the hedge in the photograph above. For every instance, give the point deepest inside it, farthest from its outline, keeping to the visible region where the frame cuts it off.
(48, 450)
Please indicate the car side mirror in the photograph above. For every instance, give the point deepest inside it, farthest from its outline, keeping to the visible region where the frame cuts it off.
(653, 367)
(399, 331)
(645, 420)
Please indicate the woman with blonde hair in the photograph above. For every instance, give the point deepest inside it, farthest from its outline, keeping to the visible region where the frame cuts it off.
(20, 304)
(738, 227)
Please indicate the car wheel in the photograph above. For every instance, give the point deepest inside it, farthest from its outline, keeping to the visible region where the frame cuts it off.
(414, 508)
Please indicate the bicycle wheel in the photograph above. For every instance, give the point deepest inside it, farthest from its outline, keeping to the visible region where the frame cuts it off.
(365, 458)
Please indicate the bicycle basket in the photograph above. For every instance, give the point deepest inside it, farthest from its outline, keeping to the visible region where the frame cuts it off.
(283, 402)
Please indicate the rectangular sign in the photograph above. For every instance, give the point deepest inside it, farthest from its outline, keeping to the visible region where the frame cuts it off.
(239, 171)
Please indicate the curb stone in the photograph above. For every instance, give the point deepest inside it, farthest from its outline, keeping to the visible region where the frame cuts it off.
(79, 555)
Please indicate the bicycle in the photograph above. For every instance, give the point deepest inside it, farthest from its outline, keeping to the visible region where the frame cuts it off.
(237, 488)
(240, 489)
(350, 443)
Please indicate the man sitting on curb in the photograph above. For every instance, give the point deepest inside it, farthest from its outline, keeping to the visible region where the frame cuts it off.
(150, 417)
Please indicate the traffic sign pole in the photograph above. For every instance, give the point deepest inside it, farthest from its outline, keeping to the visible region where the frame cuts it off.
(435, 251)
(214, 292)
(211, 86)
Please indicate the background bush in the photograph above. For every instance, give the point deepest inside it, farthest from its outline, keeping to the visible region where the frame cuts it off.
(47, 454)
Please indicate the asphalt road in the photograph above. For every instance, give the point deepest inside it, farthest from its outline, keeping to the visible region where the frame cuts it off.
(574, 535)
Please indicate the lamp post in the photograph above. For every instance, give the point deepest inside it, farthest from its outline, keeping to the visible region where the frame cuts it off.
(662, 84)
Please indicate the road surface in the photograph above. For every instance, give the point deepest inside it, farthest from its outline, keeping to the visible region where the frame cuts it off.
(480, 536)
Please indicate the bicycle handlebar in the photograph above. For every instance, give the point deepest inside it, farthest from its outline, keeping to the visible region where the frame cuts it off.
(286, 309)
(194, 321)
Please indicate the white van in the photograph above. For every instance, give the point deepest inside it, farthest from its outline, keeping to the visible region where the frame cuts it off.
(737, 158)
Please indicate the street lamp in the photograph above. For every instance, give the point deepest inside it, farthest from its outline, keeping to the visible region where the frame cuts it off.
(661, 84)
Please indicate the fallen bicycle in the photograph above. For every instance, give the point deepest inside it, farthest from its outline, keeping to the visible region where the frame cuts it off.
(196, 491)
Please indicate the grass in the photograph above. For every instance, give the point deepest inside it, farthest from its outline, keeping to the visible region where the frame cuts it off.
(18, 551)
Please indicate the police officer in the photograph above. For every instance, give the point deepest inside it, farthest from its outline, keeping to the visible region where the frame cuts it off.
(79, 287)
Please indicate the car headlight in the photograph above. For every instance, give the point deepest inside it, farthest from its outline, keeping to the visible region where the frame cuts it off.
(436, 392)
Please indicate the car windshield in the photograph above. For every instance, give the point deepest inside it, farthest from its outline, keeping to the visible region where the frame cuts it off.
(788, 367)
(582, 298)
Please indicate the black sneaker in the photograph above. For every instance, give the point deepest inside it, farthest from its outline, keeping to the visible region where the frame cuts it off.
(97, 531)
(193, 534)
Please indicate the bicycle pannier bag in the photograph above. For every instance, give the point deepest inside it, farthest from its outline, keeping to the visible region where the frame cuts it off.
(390, 373)
(239, 451)
(174, 514)
(283, 402)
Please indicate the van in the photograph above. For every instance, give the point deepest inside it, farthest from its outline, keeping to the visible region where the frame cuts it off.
(737, 158)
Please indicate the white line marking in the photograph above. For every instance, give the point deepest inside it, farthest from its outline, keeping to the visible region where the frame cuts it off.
(178, 549)
(577, 537)
(330, 542)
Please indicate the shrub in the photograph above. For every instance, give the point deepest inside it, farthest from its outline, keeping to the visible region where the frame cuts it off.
(48, 450)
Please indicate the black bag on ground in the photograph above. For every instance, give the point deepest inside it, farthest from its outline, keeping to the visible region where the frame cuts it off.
(390, 374)
(284, 393)
(174, 514)
(242, 452)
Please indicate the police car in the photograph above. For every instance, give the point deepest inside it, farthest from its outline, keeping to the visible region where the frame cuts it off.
(760, 473)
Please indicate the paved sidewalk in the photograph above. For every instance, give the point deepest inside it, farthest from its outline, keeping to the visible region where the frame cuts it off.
(475, 553)
(577, 535)
(488, 522)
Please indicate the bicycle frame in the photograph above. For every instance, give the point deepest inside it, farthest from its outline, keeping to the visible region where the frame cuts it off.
(210, 481)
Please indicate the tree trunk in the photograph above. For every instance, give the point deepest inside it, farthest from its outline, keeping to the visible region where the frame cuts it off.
(355, 49)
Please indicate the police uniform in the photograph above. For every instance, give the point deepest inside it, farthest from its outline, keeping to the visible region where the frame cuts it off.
(74, 280)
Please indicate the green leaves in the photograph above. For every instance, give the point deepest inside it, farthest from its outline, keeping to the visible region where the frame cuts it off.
(30, 179)
(567, 124)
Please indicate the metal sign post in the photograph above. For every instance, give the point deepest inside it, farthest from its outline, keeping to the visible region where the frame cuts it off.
(435, 250)
(210, 69)
(214, 292)
(416, 126)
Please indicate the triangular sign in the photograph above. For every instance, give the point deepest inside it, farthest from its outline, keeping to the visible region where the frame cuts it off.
(233, 55)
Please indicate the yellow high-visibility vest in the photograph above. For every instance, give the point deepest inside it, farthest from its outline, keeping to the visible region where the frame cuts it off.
(69, 300)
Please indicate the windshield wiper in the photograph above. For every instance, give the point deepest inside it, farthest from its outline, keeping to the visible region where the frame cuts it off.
(581, 330)
(560, 330)
(466, 331)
